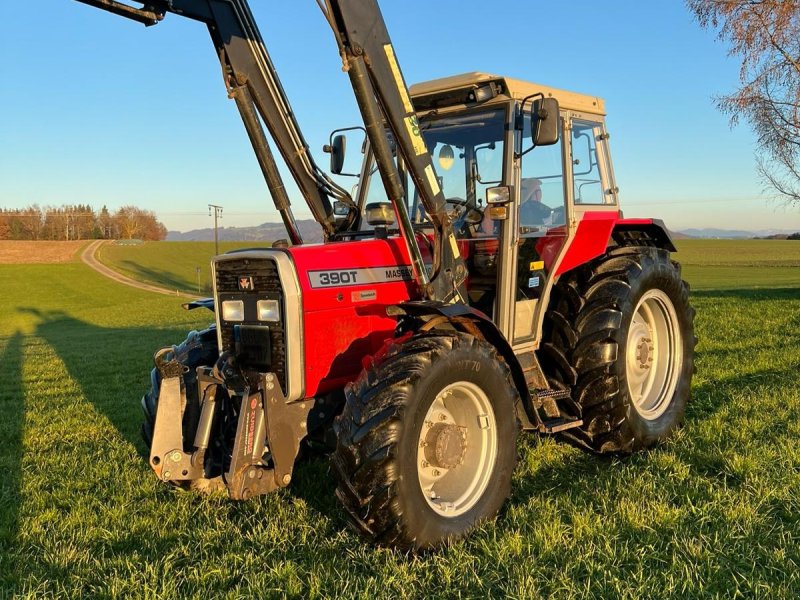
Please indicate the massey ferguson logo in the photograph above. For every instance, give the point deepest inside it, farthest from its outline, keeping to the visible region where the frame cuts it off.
(246, 283)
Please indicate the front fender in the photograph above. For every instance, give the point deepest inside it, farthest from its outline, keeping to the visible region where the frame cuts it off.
(470, 320)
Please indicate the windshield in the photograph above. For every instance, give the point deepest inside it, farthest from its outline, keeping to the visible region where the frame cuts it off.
(467, 153)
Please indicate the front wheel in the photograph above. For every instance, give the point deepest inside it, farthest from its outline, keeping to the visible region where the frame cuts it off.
(619, 334)
(426, 442)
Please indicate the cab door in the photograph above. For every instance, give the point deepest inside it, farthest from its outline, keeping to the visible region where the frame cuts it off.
(585, 183)
(542, 217)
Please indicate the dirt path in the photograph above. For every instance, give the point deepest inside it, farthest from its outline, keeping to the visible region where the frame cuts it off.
(88, 256)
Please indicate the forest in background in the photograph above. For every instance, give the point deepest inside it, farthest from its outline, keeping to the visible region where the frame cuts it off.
(79, 222)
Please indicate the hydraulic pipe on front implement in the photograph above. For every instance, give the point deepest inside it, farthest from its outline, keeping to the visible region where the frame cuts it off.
(373, 123)
(246, 62)
(384, 101)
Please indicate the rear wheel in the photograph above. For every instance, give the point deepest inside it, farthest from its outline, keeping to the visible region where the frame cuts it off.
(426, 442)
(619, 333)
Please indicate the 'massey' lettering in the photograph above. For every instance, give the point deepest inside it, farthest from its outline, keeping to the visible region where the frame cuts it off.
(401, 273)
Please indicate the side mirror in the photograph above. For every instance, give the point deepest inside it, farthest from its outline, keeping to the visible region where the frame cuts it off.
(337, 149)
(544, 122)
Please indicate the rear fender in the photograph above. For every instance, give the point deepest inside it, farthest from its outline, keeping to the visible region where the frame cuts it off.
(597, 230)
(643, 232)
(427, 315)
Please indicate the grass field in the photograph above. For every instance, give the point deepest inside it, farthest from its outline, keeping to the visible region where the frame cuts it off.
(173, 265)
(740, 264)
(713, 513)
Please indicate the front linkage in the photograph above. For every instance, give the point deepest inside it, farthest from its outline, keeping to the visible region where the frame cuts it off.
(260, 411)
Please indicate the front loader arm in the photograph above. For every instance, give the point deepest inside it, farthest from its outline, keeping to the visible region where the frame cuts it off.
(253, 83)
(383, 99)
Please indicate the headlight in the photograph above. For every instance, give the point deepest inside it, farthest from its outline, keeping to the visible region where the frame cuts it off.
(233, 310)
(269, 310)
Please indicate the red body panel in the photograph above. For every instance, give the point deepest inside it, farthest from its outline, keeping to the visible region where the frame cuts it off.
(591, 238)
(341, 327)
(346, 322)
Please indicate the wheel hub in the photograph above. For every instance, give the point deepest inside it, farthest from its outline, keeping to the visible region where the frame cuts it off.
(445, 445)
(457, 449)
(644, 353)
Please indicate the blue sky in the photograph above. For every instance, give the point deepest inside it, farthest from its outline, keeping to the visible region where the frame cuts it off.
(96, 109)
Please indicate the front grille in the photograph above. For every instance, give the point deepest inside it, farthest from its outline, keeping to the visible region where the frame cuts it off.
(266, 286)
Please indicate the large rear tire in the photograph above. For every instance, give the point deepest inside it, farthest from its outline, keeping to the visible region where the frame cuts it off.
(620, 334)
(426, 441)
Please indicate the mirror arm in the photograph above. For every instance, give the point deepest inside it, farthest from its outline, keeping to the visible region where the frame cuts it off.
(329, 148)
(520, 123)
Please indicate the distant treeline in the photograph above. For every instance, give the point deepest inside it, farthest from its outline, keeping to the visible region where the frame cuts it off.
(79, 222)
(781, 236)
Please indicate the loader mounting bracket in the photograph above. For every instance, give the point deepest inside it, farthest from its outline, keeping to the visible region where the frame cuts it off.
(268, 436)
(167, 456)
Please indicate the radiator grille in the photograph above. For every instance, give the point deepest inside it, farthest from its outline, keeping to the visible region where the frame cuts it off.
(266, 285)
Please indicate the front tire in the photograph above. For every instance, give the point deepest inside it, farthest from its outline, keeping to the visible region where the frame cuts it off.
(620, 335)
(426, 444)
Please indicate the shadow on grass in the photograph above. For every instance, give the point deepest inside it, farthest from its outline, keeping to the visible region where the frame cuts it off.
(12, 409)
(110, 365)
(166, 279)
(112, 368)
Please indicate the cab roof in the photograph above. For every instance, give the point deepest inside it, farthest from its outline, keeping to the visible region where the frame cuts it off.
(513, 88)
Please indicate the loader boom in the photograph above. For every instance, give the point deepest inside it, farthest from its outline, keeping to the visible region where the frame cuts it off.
(382, 97)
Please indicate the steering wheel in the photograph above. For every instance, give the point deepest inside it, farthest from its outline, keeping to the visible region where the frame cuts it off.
(456, 201)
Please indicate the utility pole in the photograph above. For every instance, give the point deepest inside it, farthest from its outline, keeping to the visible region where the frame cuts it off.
(217, 215)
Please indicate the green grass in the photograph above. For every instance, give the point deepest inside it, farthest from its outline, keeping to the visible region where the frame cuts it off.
(169, 264)
(715, 512)
(740, 264)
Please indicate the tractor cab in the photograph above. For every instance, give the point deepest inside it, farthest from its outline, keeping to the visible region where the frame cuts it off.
(514, 204)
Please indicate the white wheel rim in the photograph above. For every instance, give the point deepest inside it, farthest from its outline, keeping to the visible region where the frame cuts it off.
(463, 416)
(654, 354)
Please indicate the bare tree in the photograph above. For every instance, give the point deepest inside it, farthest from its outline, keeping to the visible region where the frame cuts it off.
(133, 222)
(127, 221)
(765, 35)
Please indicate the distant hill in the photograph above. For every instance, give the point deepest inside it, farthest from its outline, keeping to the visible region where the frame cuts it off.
(270, 232)
(733, 233)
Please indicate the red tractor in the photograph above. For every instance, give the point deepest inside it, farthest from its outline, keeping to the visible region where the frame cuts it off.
(481, 280)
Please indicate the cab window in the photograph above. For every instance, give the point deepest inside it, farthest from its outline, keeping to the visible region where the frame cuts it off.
(541, 193)
(587, 180)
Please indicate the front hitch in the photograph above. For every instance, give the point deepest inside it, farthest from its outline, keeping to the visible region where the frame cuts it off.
(167, 456)
(269, 428)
